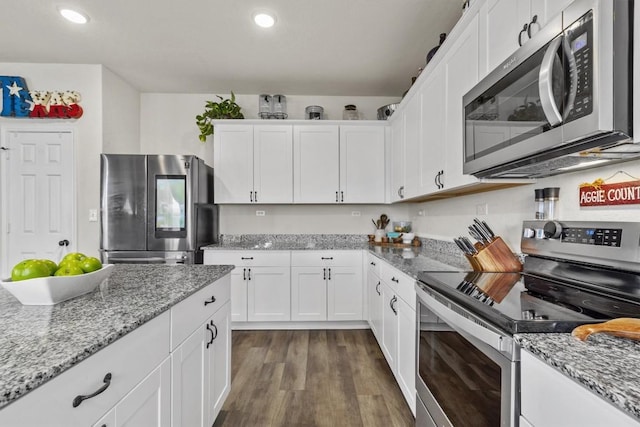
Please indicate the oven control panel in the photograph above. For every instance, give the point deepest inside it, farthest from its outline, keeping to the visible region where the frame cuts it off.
(593, 236)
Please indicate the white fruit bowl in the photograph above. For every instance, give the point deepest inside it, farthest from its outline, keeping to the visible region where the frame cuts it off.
(54, 289)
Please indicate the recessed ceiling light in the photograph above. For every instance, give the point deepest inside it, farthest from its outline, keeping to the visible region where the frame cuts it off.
(264, 20)
(74, 16)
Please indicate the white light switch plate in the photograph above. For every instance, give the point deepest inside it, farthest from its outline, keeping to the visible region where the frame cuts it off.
(93, 215)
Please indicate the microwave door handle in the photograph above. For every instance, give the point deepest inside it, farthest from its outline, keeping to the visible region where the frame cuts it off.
(545, 84)
(573, 75)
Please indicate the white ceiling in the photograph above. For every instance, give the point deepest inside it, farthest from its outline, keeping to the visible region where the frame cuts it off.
(318, 47)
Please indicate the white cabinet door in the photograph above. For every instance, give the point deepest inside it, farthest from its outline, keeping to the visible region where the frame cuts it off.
(187, 377)
(406, 373)
(461, 70)
(308, 293)
(544, 11)
(273, 164)
(412, 136)
(432, 141)
(239, 294)
(108, 420)
(397, 157)
(344, 293)
(502, 23)
(374, 286)
(149, 403)
(316, 160)
(233, 163)
(269, 294)
(389, 326)
(362, 164)
(217, 367)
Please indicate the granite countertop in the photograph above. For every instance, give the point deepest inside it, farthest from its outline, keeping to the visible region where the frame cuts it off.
(39, 342)
(606, 365)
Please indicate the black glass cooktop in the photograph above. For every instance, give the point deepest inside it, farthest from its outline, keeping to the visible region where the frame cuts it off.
(525, 302)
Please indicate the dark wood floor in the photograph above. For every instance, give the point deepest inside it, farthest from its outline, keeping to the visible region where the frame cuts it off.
(311, 378)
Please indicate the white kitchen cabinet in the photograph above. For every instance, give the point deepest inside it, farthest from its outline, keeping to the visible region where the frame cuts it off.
(362, 164)
(268, 294)
(326, 285)
(389, 345)
(246, 263)
(505, 24)
(108, 420)
(149, 403)
(550, 399)
(432, 144)
(253, 163)
(412, 138)
(316, 164)
(201, 363)
(374, 294)
(339, 164)
(406, 370)
(397, 156)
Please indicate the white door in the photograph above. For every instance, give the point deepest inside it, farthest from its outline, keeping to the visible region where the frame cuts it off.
(187, 377)
(344, 293)
(397, 157)
(233, 164)
(503, 22)
(273, 164)
(239, 294)
(269, 294)
(39, 196)
(389, 326)
(316, 170)
(149, 404)
(308, 293)
(218, 364)
(432, 140)
(407, 352)
(362, 164)
(412, 133)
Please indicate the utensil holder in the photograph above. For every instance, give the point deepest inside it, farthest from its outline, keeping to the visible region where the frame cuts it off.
(495, 257)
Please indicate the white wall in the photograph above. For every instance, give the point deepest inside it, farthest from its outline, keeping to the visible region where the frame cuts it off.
(445, 219)
(86, 79)
(120, 115)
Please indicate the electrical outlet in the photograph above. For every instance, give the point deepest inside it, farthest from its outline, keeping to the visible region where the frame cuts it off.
(93, 215)
(420, 213)
(482, 209)
(260, 213)
(355, 213)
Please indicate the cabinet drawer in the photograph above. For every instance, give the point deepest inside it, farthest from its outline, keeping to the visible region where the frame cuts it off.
(191, 313)
(402, 284)
(248, 258)
(128, 359)
(326, 258)
(373, 265)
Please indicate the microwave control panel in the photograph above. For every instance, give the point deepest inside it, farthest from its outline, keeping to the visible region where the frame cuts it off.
(580, 39)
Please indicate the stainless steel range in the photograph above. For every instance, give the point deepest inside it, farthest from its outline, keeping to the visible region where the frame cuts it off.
(467, 360)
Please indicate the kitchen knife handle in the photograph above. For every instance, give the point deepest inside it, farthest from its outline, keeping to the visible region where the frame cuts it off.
(210, 301)
(107, 382)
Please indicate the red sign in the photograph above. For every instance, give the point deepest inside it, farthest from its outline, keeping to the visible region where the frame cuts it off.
(600, 194)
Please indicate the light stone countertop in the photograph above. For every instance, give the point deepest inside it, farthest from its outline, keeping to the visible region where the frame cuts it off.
(39, 342)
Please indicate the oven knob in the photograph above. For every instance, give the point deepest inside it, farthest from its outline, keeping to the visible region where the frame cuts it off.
(552, 230)
(528, 233)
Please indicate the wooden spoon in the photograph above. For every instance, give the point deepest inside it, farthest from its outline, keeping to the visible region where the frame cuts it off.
(623, 327)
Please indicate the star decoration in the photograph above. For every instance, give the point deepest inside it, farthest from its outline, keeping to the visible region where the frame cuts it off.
(14, 89)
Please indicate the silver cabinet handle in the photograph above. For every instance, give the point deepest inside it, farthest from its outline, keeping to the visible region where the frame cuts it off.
(545, 83)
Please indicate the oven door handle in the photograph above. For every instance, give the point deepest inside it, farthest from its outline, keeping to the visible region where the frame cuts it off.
(545, 83)
(463, 324)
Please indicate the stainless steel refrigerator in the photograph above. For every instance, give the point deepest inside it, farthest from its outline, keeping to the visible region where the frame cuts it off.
(156, 209)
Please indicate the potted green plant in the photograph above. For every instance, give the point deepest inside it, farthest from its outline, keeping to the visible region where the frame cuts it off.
(225, 109)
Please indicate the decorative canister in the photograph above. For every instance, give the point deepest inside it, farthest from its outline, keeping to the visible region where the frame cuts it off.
(314, 112)
(279, 107)
(350, 112)
(264, 106)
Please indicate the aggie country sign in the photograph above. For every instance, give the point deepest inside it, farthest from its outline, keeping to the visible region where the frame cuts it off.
(600, 194)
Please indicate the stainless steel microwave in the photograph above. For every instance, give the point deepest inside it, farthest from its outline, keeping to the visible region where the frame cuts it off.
(563, 101)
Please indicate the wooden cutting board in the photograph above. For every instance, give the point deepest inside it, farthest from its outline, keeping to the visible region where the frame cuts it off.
(623, 327)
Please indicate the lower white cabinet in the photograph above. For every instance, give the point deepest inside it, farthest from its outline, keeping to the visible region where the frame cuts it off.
(268, 294)
(406, 369)
(326, 285)
(389, 343)
(550, 399)
(374, 293)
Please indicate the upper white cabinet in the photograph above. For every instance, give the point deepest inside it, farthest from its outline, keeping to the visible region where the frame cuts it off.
(253, 164)
(432, 132)
(411, 139)
(397, 157)
(339, 164)
(316, 164)
(507, 24)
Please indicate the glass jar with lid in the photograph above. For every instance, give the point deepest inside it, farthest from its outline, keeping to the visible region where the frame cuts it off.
(314, 112)
(350, 112)
(264, 106)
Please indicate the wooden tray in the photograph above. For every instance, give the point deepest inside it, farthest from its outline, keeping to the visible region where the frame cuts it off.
(393, 245)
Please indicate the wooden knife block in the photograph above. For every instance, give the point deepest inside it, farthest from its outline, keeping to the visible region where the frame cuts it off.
(494, 257)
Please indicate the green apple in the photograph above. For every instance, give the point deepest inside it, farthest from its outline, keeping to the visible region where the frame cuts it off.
(75, 256)
(69, 262)
(69, 270)
(29, 269)
(52, 265)
(90, 264)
